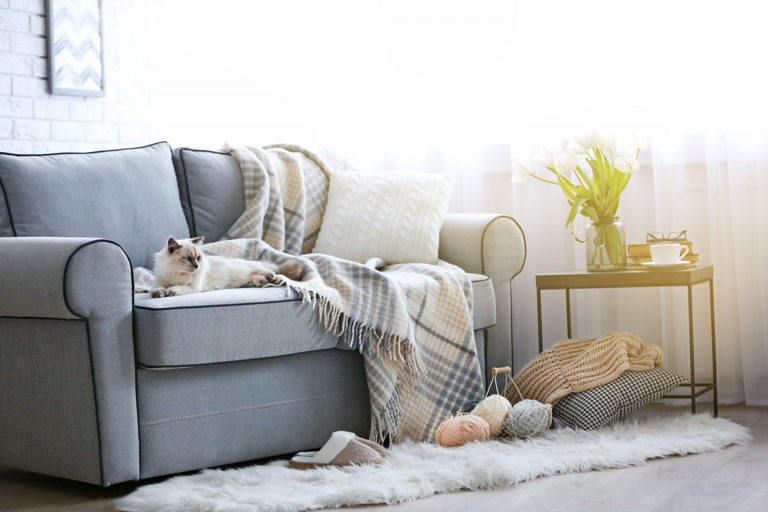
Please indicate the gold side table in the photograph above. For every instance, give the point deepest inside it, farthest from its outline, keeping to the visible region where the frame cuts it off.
(689, 277)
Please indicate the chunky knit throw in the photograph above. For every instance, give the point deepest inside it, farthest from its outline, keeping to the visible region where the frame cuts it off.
(581, 364)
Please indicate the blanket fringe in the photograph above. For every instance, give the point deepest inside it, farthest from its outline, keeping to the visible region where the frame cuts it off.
(364, 338)
(356, 335)
(384, 422)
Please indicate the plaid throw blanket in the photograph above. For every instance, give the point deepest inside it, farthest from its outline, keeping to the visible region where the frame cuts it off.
(411, 322)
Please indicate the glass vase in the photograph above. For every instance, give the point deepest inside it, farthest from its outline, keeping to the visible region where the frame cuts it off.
(606, 245)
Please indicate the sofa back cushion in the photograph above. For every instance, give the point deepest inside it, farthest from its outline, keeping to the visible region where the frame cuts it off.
(211, 189)
(392, 215)
(126, 195)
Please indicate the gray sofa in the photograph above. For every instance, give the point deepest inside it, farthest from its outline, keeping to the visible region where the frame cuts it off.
(102, 386)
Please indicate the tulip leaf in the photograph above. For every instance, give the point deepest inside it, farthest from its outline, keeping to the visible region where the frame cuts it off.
(575, 207)
(583, 192)
(567, 187)
(584, 178)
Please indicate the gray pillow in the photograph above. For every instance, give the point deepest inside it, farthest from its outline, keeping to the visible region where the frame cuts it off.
(211, 188)
(599, 407)
(129, 196)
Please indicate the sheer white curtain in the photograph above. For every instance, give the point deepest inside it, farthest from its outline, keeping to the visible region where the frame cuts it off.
(471, 87)
(714, 186)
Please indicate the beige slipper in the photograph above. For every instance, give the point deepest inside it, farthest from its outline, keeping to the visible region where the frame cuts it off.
(371, 444)
(342, 449)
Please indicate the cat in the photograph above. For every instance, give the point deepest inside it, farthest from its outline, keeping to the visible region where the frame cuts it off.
(182, 268)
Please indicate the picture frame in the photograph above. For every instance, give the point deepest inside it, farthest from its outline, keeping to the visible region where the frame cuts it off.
(75, 47)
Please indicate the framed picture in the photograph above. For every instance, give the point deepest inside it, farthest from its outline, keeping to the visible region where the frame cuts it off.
(75, 47)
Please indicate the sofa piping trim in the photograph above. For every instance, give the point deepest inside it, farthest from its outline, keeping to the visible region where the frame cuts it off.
(181, 366)
(90, 344)
(41, 318)
(509, 282)
(22, 155)
(7, 206)
(69, 260)
(195, 150)
(115, 150)
(193, 227)
(81, 318)
(203, 306)
(482, 244)
(206, 414)
(186, 181)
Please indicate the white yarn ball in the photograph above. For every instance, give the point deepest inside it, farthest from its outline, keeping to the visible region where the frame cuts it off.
(527, 418)
(494, 410)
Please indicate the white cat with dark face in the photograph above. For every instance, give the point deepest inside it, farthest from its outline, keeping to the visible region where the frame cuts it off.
(183, 268)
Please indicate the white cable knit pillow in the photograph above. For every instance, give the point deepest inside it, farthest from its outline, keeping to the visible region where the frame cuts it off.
(394, 215)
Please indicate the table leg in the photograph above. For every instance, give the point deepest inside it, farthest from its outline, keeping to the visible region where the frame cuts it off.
(538, 312)
(714, 343)
(568, 310)
(691, 350)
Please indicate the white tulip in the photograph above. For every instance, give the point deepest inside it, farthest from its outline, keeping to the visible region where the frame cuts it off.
(641, 142)
(605, 143)
(520, 173)
(588, 140)
(627, 163)
(566, 162)
(544, 157)
(595, 140)
(576, 148)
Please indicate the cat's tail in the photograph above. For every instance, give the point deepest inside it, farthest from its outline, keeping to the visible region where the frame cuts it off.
(294, 270)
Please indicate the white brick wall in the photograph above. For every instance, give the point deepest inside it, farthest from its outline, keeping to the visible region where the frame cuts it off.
(33, 121)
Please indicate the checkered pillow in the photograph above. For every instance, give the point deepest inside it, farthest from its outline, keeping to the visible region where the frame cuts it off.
(599, 407)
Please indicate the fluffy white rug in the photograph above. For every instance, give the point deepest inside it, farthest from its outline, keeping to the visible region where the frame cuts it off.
(418, 470)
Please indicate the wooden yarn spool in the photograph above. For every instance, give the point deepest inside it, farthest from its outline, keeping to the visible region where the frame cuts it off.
(500, 370)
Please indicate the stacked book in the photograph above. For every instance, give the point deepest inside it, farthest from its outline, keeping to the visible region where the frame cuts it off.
(640, 253)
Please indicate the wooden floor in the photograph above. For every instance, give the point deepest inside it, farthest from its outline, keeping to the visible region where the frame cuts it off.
(730, 480)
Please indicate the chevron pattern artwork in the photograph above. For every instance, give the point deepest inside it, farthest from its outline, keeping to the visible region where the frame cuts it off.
(75, 62)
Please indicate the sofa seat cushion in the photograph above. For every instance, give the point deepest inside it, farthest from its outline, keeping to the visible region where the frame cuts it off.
(245, 323)
(483, 301)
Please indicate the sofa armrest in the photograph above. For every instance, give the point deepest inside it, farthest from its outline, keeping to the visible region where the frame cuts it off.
(66, 278)
(493, 245)
(67, 367)
(483, 242)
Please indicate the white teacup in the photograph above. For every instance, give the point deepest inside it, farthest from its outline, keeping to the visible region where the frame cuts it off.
(668, 254)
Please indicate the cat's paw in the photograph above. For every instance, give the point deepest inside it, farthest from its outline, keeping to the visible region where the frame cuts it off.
(259, 279)
(162, 292)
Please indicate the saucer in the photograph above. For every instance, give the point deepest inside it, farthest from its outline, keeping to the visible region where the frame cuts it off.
(667, 266)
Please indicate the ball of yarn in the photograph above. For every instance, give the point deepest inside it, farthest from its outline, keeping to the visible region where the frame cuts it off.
(527, 418)
(457, 430)
(493, 410)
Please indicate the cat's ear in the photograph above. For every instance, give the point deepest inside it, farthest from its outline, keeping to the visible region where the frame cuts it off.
(172, 244)
(198, 240)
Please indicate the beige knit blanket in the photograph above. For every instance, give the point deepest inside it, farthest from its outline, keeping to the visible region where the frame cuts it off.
(581, 364)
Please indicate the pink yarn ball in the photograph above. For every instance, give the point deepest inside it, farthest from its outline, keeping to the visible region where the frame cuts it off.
(457, 430)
